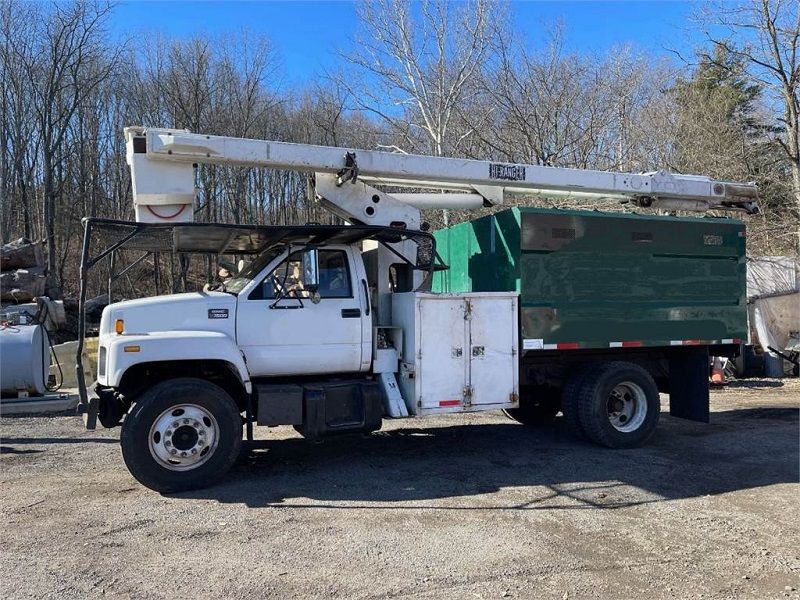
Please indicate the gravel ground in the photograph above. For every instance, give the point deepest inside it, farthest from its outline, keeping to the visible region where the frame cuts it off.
(447, 507)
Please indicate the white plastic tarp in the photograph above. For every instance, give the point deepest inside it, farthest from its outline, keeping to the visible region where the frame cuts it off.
(774, 319)
(771, 275)
(774, 300)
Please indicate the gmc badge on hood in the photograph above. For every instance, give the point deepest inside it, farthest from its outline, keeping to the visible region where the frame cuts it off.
(217, 313)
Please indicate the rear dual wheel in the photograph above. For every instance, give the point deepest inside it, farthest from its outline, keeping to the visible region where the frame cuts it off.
(613, 404)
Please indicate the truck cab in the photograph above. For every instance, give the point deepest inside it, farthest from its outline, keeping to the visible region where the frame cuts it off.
(290, 312)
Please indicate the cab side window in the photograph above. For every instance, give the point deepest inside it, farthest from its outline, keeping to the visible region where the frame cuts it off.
(334, 276)
(287, 278)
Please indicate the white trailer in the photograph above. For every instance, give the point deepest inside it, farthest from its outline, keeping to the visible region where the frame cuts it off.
(314, 333)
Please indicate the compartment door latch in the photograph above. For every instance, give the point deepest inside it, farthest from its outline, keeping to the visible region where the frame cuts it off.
(467, 393)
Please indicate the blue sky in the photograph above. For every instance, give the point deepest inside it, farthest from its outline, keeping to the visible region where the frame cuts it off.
(306, 34)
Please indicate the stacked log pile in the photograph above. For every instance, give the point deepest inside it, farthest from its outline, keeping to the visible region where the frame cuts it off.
(22, 272)
(23, 279)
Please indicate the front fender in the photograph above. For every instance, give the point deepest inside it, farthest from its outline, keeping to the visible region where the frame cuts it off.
(124, 351)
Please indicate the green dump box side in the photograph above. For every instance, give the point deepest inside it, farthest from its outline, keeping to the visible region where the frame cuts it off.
(597, 280)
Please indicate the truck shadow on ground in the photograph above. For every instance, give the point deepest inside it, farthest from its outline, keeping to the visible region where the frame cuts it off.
(59, 440)
(406, 468)
(12, 450)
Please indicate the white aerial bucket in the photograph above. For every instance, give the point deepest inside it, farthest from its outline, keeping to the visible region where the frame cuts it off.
(163, 191)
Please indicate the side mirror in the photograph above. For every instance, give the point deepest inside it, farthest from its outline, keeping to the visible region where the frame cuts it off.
(310, 269)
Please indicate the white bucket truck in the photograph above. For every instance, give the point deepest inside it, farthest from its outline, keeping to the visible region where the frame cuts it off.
(329, 328)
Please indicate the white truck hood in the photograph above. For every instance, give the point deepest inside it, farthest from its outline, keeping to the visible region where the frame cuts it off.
(196, 311)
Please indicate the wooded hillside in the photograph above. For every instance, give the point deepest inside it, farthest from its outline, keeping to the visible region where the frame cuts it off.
(451, 79)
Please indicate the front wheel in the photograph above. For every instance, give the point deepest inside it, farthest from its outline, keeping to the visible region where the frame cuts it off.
(182, 434)
(618, 405)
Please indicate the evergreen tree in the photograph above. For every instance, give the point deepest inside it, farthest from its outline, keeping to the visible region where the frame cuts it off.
(719, 129)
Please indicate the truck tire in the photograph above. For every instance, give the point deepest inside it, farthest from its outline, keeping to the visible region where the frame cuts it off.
(181, 434)
(538, 406)
(569, 398)
(618, 405)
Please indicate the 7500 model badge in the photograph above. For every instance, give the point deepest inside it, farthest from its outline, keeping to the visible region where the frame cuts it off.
(217, 313)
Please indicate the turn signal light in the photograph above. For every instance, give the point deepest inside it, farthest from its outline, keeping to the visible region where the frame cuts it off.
(119, 325)
(131, 348)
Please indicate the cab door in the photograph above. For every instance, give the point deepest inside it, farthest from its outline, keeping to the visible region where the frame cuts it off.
(281, 331)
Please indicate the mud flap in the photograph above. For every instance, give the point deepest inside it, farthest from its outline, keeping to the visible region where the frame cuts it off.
(688, 384)
(88, 409)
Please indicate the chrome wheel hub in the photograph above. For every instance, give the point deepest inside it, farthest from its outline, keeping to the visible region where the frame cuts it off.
(627, 407)
(183, 437)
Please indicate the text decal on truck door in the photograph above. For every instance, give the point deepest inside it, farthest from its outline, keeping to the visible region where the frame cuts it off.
(217, 313)
(508, 172)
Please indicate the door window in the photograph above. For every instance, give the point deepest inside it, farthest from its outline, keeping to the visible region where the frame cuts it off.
(287, 277)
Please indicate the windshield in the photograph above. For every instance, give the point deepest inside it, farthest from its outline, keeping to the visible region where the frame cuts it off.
(238, 283)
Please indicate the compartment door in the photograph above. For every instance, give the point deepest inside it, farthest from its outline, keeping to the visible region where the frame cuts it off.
(494, 365)
(443, 364)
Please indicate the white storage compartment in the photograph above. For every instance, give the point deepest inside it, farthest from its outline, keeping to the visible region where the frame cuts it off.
(460, 351)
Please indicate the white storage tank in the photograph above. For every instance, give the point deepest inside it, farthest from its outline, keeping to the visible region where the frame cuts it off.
(24, 360)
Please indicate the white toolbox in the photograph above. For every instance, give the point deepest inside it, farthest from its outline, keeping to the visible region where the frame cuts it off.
(460, 351)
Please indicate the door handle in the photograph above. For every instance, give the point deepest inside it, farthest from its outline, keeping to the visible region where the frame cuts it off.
(366, 296)
(351, 313)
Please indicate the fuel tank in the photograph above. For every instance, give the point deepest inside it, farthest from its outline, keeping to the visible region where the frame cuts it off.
(24, 359)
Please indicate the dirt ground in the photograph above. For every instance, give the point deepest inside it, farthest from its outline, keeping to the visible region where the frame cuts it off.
(448, 507)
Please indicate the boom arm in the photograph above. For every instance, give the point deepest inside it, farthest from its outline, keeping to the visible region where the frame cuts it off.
(161, 164)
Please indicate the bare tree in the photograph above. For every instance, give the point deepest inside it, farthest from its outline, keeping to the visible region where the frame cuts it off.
(540, 107)
(631, 86)
(417, 63)
(64, 61)
(766, 34)
(20, 143)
